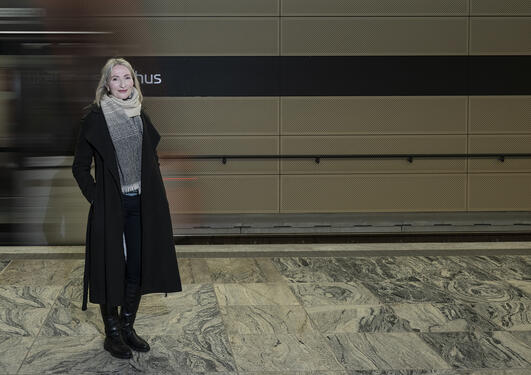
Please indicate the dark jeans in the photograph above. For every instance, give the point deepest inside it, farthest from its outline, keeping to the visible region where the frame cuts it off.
(133, 237)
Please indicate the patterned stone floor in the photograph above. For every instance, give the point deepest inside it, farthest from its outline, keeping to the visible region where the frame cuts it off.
(292, 315)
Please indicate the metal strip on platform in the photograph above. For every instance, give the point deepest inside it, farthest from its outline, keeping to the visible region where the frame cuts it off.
(282, 250)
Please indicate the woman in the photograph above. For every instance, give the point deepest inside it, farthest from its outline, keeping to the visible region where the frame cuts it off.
(128, 205)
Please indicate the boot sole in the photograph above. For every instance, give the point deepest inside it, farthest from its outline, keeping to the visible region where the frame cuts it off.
(143, 350)
(116, 355)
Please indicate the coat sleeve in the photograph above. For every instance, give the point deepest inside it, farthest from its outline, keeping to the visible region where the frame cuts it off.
(81, 166)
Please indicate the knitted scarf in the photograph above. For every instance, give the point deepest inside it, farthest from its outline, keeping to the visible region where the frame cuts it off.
(125, 127)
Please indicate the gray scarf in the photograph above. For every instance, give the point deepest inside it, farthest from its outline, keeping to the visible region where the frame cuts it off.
(126, 135)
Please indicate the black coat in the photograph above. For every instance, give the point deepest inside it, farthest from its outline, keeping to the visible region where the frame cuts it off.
(104, 254)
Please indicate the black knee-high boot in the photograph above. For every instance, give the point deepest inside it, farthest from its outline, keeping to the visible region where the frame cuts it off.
(113, 337)
(127, 318)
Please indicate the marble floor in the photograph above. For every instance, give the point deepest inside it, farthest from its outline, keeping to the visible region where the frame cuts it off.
(285, 315)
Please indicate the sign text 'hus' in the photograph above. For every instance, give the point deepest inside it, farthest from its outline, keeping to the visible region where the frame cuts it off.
(149, 79)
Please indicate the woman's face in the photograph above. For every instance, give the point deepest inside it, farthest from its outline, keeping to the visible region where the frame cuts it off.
(120, 82)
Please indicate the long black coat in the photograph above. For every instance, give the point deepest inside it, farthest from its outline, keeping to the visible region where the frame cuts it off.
(104, 254)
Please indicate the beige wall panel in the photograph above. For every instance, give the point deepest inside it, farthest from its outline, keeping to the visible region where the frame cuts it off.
(224, 194)
(373, 8)
(374, 36)
(218, 146)
(373, 193)
(194, 36)
(500, 143)
(499, 192)
(374, 115)
(500, 114)
(373, 145)
(485, 144)
(214, 116)
(189, 8)
(500, 35)
(497, 7)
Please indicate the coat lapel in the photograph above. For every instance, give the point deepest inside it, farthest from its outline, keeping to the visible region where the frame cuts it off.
(153, 134)
(150, 139)
(98, 135)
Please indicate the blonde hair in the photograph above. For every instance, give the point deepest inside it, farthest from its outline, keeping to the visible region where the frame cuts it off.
(106, 73)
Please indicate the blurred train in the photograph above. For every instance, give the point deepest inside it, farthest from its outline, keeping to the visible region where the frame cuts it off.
(51, 53)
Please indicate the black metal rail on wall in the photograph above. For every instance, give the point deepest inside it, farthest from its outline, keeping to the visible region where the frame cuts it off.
(317, 158)
(409, 157)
